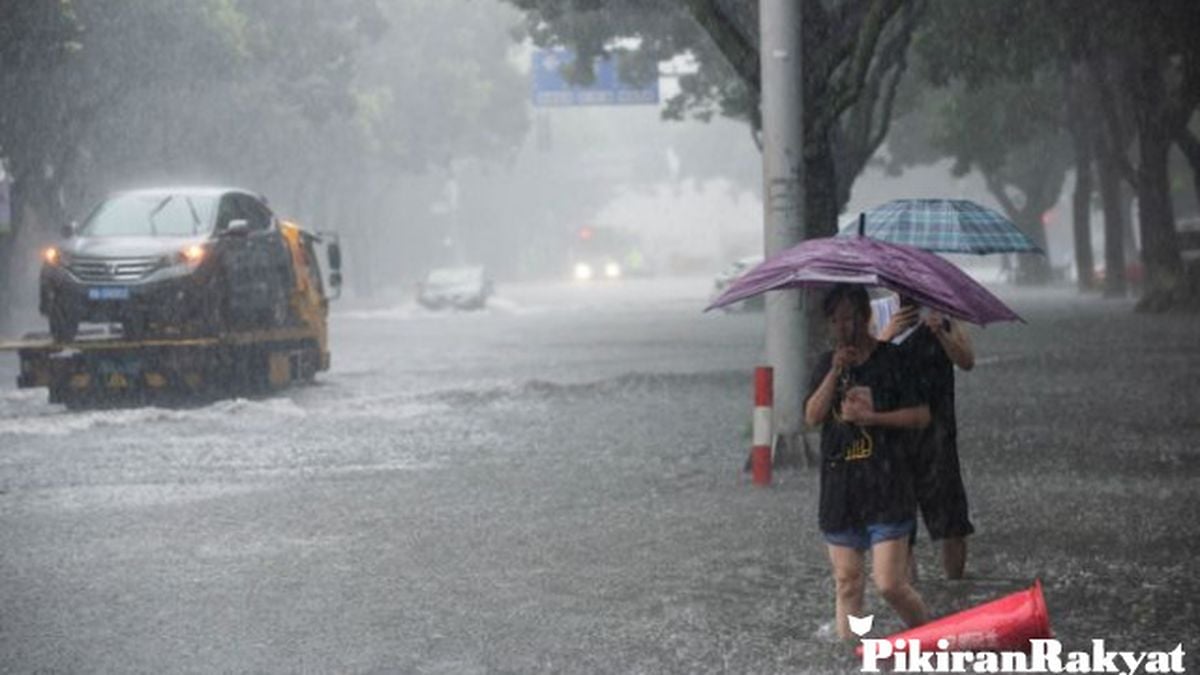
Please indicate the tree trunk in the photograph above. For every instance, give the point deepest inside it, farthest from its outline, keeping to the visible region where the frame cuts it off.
(1032, 269)
(1156, 122)
(1133, 250)
(1081, 128)
(1114, 226)
(1160, 251)
(33, 218)
(821, 202)
(6, 257)
(1189, 145)
(1081, 212)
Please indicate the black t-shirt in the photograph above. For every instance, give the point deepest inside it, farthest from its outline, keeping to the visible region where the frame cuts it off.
(866, 477)
(933, 372)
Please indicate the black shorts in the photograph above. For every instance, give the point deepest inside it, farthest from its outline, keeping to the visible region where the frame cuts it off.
(937, 481)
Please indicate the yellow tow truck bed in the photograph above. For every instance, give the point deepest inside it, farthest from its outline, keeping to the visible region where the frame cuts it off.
(91, 372)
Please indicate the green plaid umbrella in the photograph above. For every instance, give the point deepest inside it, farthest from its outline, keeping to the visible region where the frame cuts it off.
(943, 225)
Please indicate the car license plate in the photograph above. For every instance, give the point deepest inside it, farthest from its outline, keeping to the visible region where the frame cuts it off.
(108, 293)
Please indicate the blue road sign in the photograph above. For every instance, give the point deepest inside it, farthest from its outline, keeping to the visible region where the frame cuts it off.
(550, 88)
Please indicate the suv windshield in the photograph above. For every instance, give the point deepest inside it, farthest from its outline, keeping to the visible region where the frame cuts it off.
(152, 215)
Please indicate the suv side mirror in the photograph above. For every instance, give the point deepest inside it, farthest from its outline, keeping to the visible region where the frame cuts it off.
(237, 227)
(69, 230)
(335, 257)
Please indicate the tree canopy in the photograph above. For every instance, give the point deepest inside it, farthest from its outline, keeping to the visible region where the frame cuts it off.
(296, 99)
(1115, 76)
(854, 56)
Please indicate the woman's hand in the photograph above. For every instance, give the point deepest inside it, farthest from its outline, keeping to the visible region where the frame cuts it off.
(858, 406)
(843, 358)
(954, 340)
(901, 321)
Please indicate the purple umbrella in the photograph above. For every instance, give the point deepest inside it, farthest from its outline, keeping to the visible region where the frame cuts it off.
(930, 280)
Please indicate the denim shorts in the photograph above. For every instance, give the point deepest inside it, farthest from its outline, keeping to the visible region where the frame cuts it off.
(864, 538)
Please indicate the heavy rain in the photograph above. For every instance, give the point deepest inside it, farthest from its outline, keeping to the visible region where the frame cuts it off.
(433, 336)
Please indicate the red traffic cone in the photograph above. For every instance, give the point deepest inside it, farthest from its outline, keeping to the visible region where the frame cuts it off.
(1006, 624)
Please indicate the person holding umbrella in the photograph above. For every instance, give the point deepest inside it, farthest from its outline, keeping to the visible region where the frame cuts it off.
(865, 406)
(934, 345)
(931, 347)
(862, 400)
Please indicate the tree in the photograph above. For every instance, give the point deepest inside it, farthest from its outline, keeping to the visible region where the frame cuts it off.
(436, 93)
(1157, 73)
(308, 102)
(62, 69)
(1011, 133)
(1007, 108)
(1132, 56)
(854, 56)
(36, 39)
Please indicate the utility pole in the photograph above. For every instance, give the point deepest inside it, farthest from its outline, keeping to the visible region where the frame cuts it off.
(783, 208)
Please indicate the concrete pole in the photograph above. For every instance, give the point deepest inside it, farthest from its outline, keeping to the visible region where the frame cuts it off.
(783, 208)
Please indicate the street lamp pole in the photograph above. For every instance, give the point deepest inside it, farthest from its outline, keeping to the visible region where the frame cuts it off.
(783, 207)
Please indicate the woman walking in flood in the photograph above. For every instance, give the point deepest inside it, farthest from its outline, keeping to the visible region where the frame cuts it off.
(865, 406)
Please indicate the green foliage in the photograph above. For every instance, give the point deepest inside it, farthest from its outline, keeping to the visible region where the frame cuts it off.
(438, 108)
(980, 126)
(854, 54)
(322, 104)
(985, 41)
(988, 93)
(108, 90)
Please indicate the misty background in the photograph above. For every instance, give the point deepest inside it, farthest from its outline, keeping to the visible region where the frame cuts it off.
(408, 127)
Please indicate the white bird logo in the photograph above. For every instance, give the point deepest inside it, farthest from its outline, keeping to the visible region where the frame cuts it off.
(860, 626)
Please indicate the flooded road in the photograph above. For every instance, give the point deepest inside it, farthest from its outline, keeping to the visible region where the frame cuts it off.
(554, 485)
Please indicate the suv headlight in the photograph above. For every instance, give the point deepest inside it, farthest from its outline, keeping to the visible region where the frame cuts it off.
(51, 255)
(191, 256)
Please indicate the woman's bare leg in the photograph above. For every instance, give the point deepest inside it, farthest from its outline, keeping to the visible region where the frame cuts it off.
(914, 574)
(850, 579)
(954, 556)
(890, 570)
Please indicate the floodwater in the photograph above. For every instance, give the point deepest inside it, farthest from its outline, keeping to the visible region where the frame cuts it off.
(555, 485)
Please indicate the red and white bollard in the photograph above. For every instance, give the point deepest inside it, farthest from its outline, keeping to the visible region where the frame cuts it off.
(760, 452)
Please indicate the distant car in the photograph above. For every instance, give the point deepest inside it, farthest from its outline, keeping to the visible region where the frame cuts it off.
(731, 273)
(455, 288)
(597, 268)
(183, 260)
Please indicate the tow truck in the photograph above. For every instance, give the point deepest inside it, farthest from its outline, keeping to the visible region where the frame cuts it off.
(101, 367)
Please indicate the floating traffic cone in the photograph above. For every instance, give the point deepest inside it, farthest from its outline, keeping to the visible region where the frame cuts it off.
(1003, 625)
(760, 452)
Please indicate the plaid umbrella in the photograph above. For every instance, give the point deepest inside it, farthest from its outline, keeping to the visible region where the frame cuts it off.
(927, 278)
(944, 225)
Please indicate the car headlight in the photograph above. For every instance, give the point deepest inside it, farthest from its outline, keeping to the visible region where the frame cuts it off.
(191, 256)
(583, 271)
(52, 256)
(612, 270)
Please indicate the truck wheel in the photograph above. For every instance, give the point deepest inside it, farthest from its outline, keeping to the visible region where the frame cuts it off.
(63, 328)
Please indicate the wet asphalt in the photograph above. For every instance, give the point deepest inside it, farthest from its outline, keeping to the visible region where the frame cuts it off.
(555, 485)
